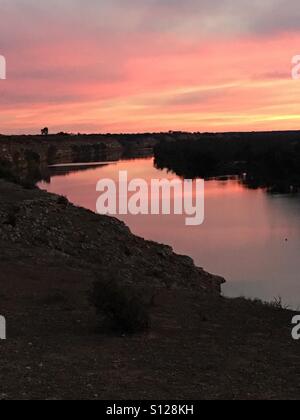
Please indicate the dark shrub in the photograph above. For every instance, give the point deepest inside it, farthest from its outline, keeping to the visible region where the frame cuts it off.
(122, 305)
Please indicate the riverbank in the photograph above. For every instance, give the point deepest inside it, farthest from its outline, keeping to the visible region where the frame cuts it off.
(200, 345)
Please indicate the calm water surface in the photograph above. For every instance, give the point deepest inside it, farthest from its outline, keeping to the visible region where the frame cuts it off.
(249, 237)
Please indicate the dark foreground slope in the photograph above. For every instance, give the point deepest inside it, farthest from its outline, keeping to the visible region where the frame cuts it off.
(200, 345)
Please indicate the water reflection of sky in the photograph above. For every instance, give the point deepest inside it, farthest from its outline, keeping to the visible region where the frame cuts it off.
(249, 237)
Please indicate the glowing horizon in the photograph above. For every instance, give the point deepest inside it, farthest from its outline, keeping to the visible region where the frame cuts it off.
(149, 66)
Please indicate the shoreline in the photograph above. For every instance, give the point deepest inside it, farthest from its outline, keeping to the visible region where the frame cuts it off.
(40, 216)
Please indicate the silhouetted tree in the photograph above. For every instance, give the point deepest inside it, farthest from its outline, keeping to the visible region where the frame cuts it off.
(45, 131)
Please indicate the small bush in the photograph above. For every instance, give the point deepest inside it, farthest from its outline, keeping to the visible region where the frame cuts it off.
(277, 303)
(122, 305)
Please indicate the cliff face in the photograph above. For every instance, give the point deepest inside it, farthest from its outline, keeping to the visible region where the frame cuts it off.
(28, 157)
(49, 225)
(23, 151)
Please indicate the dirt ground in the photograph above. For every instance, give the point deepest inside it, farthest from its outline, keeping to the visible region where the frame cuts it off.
(197, 348)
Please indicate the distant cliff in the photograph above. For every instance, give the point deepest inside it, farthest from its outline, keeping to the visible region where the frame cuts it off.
(22, 150)
(30, 156)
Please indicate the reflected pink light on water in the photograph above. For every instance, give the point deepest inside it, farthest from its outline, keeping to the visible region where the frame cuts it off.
(243, 237)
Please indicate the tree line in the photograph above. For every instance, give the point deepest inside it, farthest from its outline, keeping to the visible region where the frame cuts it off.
(262, 160)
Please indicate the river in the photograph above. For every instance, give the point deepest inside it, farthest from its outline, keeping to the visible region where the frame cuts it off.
(249, 237)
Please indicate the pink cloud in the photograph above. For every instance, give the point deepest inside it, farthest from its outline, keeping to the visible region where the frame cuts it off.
(140, 82)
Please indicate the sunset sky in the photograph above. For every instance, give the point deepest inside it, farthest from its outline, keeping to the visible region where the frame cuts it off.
(149, 65)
